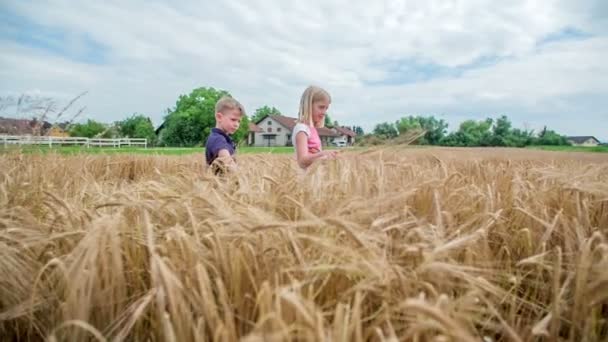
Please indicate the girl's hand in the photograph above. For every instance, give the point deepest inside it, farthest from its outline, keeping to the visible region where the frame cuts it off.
(330, 154)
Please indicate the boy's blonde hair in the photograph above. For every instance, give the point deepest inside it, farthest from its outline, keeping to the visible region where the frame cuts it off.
(311, 95)
(228, 103)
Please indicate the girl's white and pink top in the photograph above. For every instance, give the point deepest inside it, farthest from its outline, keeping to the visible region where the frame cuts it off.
(314, 142)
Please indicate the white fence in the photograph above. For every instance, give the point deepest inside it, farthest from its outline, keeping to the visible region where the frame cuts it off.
(63, 141)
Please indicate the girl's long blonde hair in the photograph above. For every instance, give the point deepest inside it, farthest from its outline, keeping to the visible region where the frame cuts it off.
(311, 95)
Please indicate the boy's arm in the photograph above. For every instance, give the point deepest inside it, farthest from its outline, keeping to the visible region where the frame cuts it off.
(226, 159)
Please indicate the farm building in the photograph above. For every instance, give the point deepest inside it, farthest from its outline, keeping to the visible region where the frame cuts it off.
(275, 130)
(12, 126)
(583, 141)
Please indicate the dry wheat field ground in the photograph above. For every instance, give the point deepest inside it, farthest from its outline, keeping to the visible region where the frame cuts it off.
(392, 244)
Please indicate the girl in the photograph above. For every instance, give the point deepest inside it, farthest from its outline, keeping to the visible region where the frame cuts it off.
(313, 106)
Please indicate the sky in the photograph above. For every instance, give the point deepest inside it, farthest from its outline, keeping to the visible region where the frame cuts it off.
(538, 62)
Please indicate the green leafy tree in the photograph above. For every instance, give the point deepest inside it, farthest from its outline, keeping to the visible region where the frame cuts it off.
(183, 129)
(137, 126)
(486, 132)
(520, 138)
(500, 132)
(328, 122)
(240, 136)
(385, 130)
(263, 111)
(358, 130)
(89, 129)
(435, 129)
(504, 135)
(191, 121)
(470, 133)
(407, 124)
(549, 137)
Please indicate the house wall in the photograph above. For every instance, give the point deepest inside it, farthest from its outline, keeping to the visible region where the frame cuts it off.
(283, 134)
(588, 142)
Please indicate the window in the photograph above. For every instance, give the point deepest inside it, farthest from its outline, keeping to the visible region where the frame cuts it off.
(269, 122)
(269, 129)
(278, 129)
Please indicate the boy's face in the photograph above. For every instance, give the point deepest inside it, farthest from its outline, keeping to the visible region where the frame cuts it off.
(229, 120)
(319, 108)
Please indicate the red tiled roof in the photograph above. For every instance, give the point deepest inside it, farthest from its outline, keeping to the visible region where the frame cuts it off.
(346, 131)
(254, 128)
(286, 121)
(15, 126)
(327, 132)
(22, 126)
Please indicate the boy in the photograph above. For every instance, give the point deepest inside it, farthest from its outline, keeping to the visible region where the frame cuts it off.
(220, 149)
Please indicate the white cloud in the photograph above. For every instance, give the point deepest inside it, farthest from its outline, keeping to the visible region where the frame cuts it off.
(266, 52)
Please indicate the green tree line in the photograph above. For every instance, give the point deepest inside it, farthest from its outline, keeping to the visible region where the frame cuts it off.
(190, 121)
(488, 132)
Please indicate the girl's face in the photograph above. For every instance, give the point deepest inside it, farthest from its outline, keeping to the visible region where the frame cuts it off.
(319, 108)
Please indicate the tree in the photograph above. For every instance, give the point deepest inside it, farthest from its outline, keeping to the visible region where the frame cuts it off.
(328, 122)
(137, 126)
(488, 133)
(241, 134)
(263, 111)
(183, 129)
(501, 132)
(549, 137)
(358, 130)
(435, 129)
(385, 130)
(504, 135)
(89, 129)
(193, 117)
(470, 133)
(520, 138)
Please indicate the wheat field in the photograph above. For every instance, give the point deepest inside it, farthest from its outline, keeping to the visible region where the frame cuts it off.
(386, 244)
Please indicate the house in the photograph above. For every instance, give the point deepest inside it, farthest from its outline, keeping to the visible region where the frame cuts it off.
(11, 126)
(347, 135)
(583, 141)
(253, 130)
(275, 130)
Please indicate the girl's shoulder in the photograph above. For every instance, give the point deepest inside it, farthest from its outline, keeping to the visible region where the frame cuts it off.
(300, 127)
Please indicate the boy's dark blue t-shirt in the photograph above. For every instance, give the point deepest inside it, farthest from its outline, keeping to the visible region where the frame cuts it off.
(218, 140)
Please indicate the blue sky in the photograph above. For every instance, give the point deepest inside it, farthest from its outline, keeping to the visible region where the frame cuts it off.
(540, 63)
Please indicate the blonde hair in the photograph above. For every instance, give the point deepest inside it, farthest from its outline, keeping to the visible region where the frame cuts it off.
(311, 95)
(228, 103)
